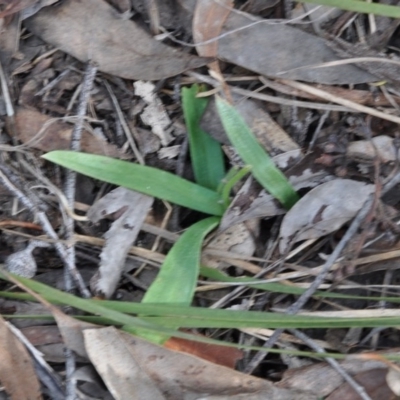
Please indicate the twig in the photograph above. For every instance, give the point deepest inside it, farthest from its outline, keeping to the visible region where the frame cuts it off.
(70, 180)
(47, 228)
(69, 190)
(333, 363)
(44, 372)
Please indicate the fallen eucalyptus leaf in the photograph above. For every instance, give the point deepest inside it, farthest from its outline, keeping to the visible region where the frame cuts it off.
(93, 30)
(323, 210)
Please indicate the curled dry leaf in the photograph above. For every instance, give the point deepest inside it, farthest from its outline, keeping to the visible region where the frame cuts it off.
(323, 210)
(154, 114)
(121, 235)
(208, 19)
(93, 30)
(17, 374)
(44, 133)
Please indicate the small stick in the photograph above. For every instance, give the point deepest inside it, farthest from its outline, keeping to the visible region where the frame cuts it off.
(70, 180)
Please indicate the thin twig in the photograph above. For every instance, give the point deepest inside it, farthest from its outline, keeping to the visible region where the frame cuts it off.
(69, 190)
(44, 372)
(47, 228)
(333, 363)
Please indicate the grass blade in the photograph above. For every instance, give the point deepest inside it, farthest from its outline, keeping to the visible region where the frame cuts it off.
(360, 6)
(176, 281)
(147, 180)
(205, 152)
(262, 166)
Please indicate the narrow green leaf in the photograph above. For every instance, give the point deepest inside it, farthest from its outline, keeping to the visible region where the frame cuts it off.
(360, 6)
(116, 312)
(205, 152)
(262, 166)
(148, 180)
(176, 281)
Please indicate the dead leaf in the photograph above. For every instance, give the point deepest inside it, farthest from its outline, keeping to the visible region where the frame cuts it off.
(181, 376)
(323, 210)
(271, 49)
(92, 30)
(393, 379)
(374, 383)
(121, 235)
(322, 379)
(251, 201)
(379, 146)
(39, 131)
(221, 355)
(154, 114)
(17, 374)
(123, 375)
(270, 135)
(42, 334)
(208, 19)
(237, 239)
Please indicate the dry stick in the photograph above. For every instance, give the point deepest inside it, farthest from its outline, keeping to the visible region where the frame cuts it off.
(333, 363)
(44, 222)
(340, 100)
(70, 180)
(69, 189)
(45, 373)
(297, 305)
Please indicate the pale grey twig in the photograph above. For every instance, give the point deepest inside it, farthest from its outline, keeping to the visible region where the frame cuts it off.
(333, 363)
(70, 179)
(44, 372)
(69, 191)
(47, 228)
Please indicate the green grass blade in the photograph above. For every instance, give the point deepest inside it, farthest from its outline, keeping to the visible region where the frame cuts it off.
(147, 180)
(176, 282)
(360, 6)
(205, 152)
(117, 312)
(251, 152)
(177, 279)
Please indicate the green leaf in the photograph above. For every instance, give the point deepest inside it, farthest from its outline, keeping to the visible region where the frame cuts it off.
(205, 152)
(360, 6)
(176, 282)
(148, 180)
(251, 152)
(177, 279)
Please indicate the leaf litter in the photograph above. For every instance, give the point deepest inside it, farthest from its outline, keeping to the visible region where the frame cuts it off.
(336, 158)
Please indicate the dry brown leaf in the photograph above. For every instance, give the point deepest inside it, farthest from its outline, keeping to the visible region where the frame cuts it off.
(208, 19)
(121, 235)
(322, 379)
(379, 146)
(93, 30)
(221, 355)
(121, 372)
(36, 130)
(181, 376)
(271, 49)
(374, 383)
(237, 239)
(40, 335)
(17, 374)
(323, 210)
